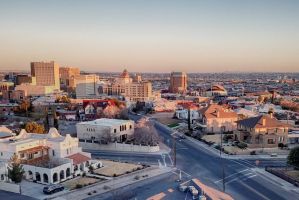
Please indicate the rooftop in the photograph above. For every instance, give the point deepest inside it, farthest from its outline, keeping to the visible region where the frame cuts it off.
(106, 122)
(78, 158)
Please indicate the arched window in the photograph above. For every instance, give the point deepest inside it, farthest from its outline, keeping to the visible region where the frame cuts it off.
(61, 174)
(37, 176)
(45, 177)
(68, 172)
(55, 177)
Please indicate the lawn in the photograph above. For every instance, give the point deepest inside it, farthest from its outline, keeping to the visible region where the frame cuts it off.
(293, 173)
(173, 125)
(80, 182)
(112, 168)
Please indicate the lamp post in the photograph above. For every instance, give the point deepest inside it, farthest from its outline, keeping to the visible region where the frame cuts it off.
(222, 160)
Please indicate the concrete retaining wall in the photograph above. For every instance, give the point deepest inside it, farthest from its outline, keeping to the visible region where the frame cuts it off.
(119, 147)
(10, 187)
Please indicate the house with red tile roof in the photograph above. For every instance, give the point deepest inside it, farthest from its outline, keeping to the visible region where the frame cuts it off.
(216, 118)
(263, 131)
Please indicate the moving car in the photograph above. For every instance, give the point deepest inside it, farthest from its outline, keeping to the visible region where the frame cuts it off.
(50, 189)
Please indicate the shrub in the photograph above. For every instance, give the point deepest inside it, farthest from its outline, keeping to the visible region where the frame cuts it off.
(293, 157)
(252, 153)
(89, 193)
(137, 177)
(114, 175)
(78, 186)
(242, 145)
(94, 191)
(281, 145)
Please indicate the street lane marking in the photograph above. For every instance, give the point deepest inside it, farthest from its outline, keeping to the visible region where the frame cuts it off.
(232, 175)
(255, 191)
(170, 159)
(243, 178)
(170, 190)
(157, 196)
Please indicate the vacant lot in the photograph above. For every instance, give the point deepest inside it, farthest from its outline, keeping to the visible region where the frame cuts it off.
(80, 182)
(112, 168)
(293, 173)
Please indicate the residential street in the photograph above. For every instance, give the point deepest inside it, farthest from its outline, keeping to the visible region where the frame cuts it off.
(243, 179)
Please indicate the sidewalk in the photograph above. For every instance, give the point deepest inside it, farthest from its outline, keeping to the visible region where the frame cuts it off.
(163, 149)
(118, 182)
(276, 180)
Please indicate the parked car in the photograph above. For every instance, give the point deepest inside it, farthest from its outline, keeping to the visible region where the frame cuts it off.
(50, 189)
(193, 190)
(273, 154)
(182, 137)
(183, 188)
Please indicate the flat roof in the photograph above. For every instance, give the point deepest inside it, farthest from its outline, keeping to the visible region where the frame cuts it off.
(106, 122)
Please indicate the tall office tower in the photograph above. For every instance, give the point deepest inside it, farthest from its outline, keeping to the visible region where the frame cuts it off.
(178, 82)
(67, 76)
(86, 86)
(46, 74)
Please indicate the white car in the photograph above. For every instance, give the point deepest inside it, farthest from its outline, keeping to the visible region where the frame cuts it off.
(96, 164)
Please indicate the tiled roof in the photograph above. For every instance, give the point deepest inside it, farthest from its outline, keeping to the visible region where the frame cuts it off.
(257, 122)
(212, 110)
(78, 158)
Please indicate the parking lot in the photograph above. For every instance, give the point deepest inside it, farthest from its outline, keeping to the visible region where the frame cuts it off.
(35, 190)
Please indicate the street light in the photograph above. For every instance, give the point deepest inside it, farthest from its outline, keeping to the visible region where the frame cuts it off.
(222, 159)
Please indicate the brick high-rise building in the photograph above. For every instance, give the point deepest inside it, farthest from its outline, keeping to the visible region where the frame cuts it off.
(178, 82)
(68, 76)
(46, 74)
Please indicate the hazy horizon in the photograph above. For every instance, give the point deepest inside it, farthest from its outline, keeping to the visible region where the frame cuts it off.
(152, 36)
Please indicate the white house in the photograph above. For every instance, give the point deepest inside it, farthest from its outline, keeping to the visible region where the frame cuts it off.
(183, 114)
(105, 130)
(46, 158)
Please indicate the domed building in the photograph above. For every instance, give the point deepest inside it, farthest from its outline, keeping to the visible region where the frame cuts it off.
(216, 90)
(124, 78)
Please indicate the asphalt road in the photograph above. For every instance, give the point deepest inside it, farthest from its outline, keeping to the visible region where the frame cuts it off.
(13, 196)
(194, 161)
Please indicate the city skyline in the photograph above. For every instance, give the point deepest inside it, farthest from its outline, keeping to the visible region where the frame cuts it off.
(155, 36)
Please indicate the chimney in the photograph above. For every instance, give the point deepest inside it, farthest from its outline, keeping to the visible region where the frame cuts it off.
(217, 113)
(271, 115)
(264, 122)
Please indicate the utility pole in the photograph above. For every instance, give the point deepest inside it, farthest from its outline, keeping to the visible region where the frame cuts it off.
(174, 150)
(222, 160)
(189, 119)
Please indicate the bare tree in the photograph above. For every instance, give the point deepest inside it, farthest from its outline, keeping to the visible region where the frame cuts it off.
(145, 133)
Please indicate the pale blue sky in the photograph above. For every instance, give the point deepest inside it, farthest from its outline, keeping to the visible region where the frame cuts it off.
(151, 35)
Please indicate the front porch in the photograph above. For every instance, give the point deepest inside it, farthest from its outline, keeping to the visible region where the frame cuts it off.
(50, 172)
(258, 140)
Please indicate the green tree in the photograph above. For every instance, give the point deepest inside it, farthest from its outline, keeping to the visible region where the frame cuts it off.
(15, 169)
(33, 127)
(293, 157)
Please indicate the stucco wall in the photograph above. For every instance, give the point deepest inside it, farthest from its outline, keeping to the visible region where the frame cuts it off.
(10, 187)
(119, 147)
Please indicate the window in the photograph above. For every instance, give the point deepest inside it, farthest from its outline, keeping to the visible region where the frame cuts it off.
(115, 130)
(271, 141)
(1, 153)
(53, 152)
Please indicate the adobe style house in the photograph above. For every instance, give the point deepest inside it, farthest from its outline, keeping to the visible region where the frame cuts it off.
(216, 118)
(263, 131)
(46, 158)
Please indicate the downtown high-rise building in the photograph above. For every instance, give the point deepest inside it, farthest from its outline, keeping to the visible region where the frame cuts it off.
(178, 82)
(46, 74)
